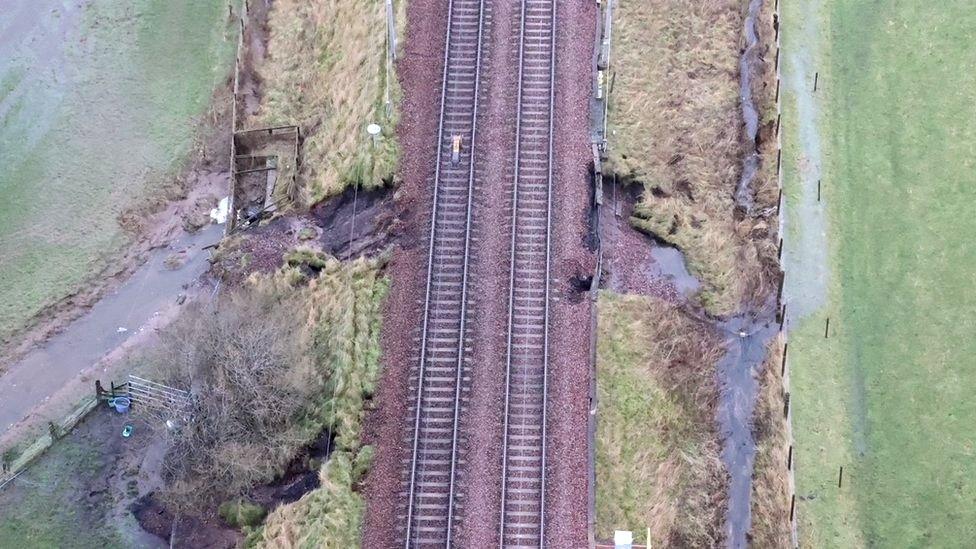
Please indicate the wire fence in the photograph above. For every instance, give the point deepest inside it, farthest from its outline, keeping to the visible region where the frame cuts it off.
(782, 339)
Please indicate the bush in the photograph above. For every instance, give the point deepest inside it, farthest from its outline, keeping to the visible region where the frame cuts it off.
(246, 362)
(271, 366)
(240, 513)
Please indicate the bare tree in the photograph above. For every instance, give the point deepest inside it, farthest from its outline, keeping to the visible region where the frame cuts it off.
(247, 363)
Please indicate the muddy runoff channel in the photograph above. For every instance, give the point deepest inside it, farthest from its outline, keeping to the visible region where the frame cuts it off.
(747, 334)
(746, 338)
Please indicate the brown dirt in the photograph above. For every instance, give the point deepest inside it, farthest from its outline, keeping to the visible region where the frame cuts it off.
(356, 222)
(628, 266)
(208, 530)
(347, 226)
(190, 531)
(255, 48)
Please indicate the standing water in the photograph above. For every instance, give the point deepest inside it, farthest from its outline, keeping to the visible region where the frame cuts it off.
(746, 338)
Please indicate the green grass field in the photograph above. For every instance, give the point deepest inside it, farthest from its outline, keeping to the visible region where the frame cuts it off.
(97, 108)
(888, 395)
(67, 498)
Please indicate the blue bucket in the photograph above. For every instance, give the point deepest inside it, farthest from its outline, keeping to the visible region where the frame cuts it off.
(121, 404)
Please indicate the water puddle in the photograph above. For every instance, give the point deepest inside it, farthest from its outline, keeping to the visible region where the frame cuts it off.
(669, 263)
(805, 255)
(108, 324)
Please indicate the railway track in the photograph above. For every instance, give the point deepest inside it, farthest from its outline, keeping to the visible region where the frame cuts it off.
(524, 451)
(439, 380)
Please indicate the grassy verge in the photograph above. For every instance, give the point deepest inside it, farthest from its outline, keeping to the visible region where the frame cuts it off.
(657, 448)
(327, 71)
(345, 308)
(674, 126)
(770, 485)
(92, 130)
(888, 394)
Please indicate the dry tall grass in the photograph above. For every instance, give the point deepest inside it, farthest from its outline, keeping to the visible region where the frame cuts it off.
(327, 72)
(344, 306)
(676, 127)
(770, 485)
(657, 445)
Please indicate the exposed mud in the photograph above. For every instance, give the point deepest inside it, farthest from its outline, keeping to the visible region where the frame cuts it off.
(207, 529)
(88, 482)
(356, 223)
(255, 47)
(353, 224)
(634, 262)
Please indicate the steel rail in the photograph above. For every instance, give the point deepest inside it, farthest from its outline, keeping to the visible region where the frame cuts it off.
(435, 208)
(515, 539)
(511, 277)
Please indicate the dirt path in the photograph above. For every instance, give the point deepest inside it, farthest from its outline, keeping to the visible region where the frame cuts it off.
(72, 358)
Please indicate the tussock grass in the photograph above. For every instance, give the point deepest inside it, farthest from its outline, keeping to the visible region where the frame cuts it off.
(327, 72)
(675, 126)
(344, 309)
(657, 448)
(332, 345)
(770, 483)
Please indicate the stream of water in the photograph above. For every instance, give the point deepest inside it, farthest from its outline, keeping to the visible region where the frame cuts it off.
(746, 338)
(748, 68)
(748, 333)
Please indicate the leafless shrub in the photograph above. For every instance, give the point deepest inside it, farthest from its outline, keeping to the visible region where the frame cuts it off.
(246, 362)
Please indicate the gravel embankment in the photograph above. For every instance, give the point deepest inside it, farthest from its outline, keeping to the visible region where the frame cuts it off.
(569, 343)
(419, 71)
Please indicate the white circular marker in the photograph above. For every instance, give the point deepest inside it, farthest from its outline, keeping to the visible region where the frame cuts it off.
(373, 129)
